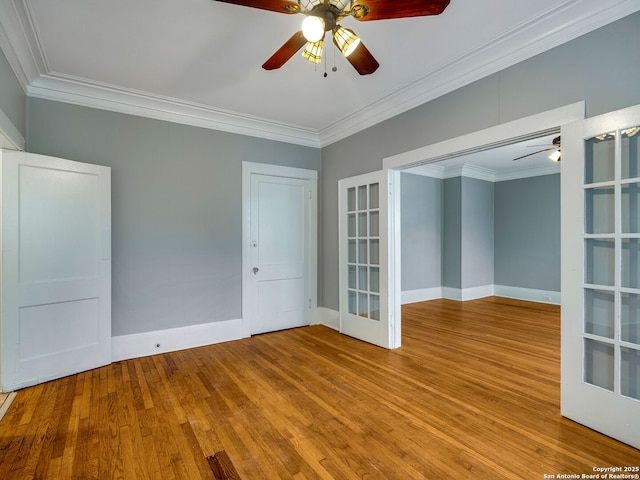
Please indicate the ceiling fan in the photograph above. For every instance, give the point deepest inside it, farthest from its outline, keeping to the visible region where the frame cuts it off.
(554, 157)
(322, 16)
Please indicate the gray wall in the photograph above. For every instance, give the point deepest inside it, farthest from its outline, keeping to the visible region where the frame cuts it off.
(176, 208)
(452, 233)
(421, 231)
(582, 69)
(527, 233)
(12, 97)
(477, 233)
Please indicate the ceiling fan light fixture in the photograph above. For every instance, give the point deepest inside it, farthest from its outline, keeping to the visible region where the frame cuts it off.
(313, 52)
(313, 28)
(555, 156)
(346, 40)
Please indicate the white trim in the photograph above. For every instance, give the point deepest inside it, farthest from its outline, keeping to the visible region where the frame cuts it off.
(82, 92)
(329, 318)
(528, 294)
(136, 345)
(421, 295)
(521, 43)
(503, 134)
(473, 293)
(481, 173)
(465, 294)
(10, 136)
(249, 168)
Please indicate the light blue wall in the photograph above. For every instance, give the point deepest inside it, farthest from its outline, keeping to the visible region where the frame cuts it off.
(477, 233)
(600, 68)
(452, 233)
(176, 208)
(527, 243)
(421, 232)
(12, 96)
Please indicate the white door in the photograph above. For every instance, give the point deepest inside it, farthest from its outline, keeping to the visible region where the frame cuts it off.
(369, 300)
(279, 288)
(601, 274)
(56, 268)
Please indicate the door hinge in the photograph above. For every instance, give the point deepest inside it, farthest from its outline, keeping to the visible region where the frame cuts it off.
(309, 194)
(309, 304)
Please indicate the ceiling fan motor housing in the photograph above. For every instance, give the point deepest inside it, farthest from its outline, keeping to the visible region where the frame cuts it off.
(328, 13)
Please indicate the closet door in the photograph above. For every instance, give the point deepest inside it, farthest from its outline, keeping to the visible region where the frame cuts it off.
(56, 268)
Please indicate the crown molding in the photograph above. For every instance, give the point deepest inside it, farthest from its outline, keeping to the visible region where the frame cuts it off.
(82, 92)
(469, 170)
(19, 41)
(520, 43)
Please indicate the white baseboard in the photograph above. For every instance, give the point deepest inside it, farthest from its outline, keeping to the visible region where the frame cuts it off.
(464, 294)
(329, 318)
(461, 295)
(137, 345)
(528, 294)
(421, 295)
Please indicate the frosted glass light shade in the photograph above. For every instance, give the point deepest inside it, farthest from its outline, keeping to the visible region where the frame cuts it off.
(313, 28)
(555, 156)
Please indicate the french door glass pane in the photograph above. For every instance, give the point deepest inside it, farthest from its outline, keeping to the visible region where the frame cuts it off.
(363, 272)
(598, 363)
(599, 210)
(375, 307)
(374, 279)
(374, 223)
(630, 210)
(599, 159)
(630, 318)
(362, 278)
(351, 251)
(600, 261)
(599, 311)
(353, 302)
(374, 201)
(630, 373)
(351, 199)
(351, 282)
(631, 153)
(351, 225)
(362, 197)
(631, 263)
(362, 224)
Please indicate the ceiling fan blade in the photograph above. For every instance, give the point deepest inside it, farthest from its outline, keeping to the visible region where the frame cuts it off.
(361, 59)
(280, 6)
(534, 153)
(386, 9)
(286, 51)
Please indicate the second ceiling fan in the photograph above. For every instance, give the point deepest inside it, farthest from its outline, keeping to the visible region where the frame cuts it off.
(322, 16)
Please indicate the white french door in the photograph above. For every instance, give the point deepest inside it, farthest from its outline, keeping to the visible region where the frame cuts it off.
(601, 274)
(56, 268)
(369, 300)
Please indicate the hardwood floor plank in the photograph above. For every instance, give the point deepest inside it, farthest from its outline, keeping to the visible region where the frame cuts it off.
(473, 393)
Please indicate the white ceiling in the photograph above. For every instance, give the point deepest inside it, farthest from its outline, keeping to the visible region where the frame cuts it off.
(199, 61)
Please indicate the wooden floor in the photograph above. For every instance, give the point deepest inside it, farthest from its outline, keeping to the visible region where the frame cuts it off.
(472, 394)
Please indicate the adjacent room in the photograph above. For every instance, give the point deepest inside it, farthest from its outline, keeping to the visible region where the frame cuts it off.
(226, 254)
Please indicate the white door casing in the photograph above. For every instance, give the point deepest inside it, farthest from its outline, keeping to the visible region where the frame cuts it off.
(369, 259)
(56, 268)
(600, 354)
(279, 247)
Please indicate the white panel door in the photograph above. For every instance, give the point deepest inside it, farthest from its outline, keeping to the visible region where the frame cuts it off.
(369, 300)
(278, 279)
(56, 268)
(601, 274)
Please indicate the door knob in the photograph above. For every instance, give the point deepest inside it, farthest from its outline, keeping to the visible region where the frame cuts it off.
(255, 270)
